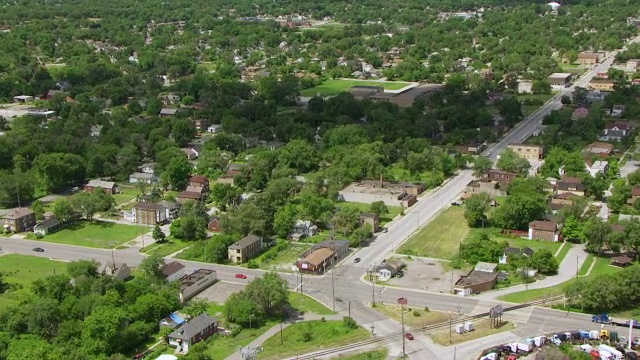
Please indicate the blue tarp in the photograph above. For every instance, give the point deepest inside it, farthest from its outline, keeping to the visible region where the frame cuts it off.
(178, 320)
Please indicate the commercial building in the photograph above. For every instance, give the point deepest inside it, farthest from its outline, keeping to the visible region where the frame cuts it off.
(559, 81)
(401, 98)
(196, 282)
(588, 58)
(482, 278)
(529, 152)
(391, 193)
(323, 255)
(601, 84)
(245, 249)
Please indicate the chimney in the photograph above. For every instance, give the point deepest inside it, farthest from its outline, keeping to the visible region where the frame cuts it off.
(381, 180)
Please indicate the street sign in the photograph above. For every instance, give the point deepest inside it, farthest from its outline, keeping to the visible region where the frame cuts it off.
(495, 311)
(403, 301)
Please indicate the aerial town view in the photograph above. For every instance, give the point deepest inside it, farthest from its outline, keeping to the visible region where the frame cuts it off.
(297, 179)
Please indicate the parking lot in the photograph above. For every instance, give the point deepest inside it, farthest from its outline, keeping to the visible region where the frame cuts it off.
(219, 292)
(426, 274)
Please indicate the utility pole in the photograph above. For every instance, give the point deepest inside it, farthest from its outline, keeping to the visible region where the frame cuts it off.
(333, 290)
(349, 308)
(281, 339)
(403, 301)
(18, 193)
(577, 267)
(373, 288)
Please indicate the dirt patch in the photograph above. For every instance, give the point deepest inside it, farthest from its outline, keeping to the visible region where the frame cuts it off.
(428, 275)
(219, 292)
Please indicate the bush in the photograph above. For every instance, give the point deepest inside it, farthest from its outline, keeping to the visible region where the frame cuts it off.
(307, 336)
(252, 264)
(349, 322)
(426, 309)
(39, 236)
(416, 313)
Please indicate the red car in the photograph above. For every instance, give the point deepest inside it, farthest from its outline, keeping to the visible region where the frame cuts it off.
(408, 336)
(241, 276)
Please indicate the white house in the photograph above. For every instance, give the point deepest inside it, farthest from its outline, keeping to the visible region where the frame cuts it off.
(214, 129)
(148, 168)
(598, 167)
(141, 177)
(302, 229)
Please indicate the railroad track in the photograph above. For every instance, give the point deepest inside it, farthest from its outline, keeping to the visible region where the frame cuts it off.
(437, 326)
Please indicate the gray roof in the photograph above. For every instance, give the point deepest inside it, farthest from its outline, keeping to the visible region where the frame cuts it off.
(101, 183)
(194, 327)
(168, 111)
(47, 223)
(171, 268)
(140, 175)
(245, 241)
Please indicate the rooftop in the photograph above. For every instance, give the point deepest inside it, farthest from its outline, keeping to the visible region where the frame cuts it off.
(194, 327)
(171, 268)
(245, 241)
(188, 280)
(148, 206)
(543, 225)
(101, 183)
(318, 256)
(561, 76)
(18, 213)
(477, 277)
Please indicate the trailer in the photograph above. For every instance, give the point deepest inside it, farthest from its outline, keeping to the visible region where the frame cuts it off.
(610, 353)
(525, 346)
(539, 341)
(626, 323)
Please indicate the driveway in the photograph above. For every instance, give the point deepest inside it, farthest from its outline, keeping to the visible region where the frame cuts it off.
(629, 167)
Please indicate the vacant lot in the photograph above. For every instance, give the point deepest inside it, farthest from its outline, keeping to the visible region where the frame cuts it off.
(282, 260)
(166, 248)
(224, 346)
(21, 270)
(441, 238)
(336, 86)
(428, 275)
(95, 234)
(304, 304)
(482, 329)
(533, 244)
(308, 336)
(127, 193)
(415, 318)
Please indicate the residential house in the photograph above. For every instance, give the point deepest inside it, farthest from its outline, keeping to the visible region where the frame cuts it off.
(166, 112)
(170, 99)
(245, 249)
(140, 177)
(201, 124)
(615, 131)
(191, 153)
(544, 230)
(195, 330)
(600, 148)
(23, 99)
(595, 96)
(511, 251)
(597, 167)
(482, 278)
(561, 201)
(588, 58)
(214, 129)
(174, 320)
(199, 183)
(303, 229)
(149, 168)
(602, 84)
(48, 225)
(525, 86)
(171, 209)
(323, 255)
(235, 169)
(96, 130)
(214, 224)
(389, 268)
(371, 219)
(617, 110)
(149, 213)
(472, 149)
(119, 271)
(20, 220)
(570, 185)
(529, 152)
(633, 64)
(580, 112)
(196, 282)
(185, 196)
(559, 81)
(499, 176)
(109, 187)
(635, 194)
(172, 271)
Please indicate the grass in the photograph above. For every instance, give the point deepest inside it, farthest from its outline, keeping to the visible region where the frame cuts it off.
(482, 329)
(166, 248)
(308, 336)
(414, 322)
(441, 238)
(369, 355)
(304, 303)
(127, 193)
(586, 265)
(21, 270)
(283, 260)
(384, 219)
(318, 238)
(223, 346)
(563, 252)
(536, 245)
(95, 234)
(208, 66)
(336, 86)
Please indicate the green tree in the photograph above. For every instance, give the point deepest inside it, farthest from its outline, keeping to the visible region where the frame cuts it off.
(475, 209)
(634, 178)
(240, 309)
(300, 155)
(151, 266)
(481, 165)
(379, 207)
(102, 330)
(182, 131)
(63, 210)
(284, 220)
(620, 193)
(540, 87)
(360, 235)
(38, 208)
(596, 232)
(78, 268)
(544, 261)
(270, 293)
(58, 170)
(224, 195)
(479, 247)
(512, 162)
(573, 229)
(158, 235)
(346, 219)
(177, 173)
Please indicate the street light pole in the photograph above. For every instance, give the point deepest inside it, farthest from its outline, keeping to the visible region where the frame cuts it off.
(373, 288)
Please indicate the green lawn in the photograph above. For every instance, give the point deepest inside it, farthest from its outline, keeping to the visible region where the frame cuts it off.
(563, 252)
(281, 260)
(304, 303)
(384, 219)
(167, 248)
(127, 193)
(316, 239)
(533, 244)
(308, 336)
(223, 346)
(95, 234)
(586, 265)
(369, 355)
(21, 271)
(441, 238)
(336, 86)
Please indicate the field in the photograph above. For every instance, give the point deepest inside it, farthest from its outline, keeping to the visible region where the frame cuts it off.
(304, 303)
(95, 234)
(282, 260)
(414, 322)
(308, 336)
(336, 86)
(127, 193)
(224, 346)
(22, 270)
(534, 244)
(482, 329)
(166, 248)
(441, 238)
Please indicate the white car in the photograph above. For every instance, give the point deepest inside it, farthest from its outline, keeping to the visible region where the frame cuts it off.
(488, 154)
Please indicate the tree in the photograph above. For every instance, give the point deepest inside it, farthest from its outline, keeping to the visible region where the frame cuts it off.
(151, 266)
(300, 155)
(346, 219)
(620, 193)
(573, 229)
(284, 220)
(476, 208)
(572, 163)
(526, 202)
(540, 87)
(102, 330)
(512, 162)
(192, 223)
(511, 111)
(596, 231)
(63, 210)
(544, 261)
(58, 170)
(360, 235)
(84, 204)
(38, 208)
(481, 165)
(158, 235)
(379, 207)
(182, 131)
(315, 208)
(225, 195)
(177, 173)
(634, 178)
(78, 268)
(632, 233)
(240, 309)
(479, 247)
(270, 294)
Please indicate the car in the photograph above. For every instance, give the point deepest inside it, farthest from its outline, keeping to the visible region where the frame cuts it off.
(399, 274)
(408, 336)
(385, 230)
(38, 249)
(356, 260)
(241, 276)
(488, 154)
(456, 203)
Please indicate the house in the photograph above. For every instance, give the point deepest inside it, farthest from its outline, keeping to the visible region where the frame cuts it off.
(529, 152)
(166, 112)
(195, 330)
(174, 320)
(580, 112)
(149, 168)
(185, 196)
(214, 129)
(141, 177)
(615, 131)
(109, 187)
(617, 110)
(472, 149)
(96, 130)
(544, 230)
(23, 99)
(20, 220)
(511, 251)
(600, 148)
(48, 225)
(525, 86)
(559, 81)
(119, 271)
(200, 183)
(594, 96)
(149, 213)
(323, 255)
(170, 99)
(201, 124)
(633, 64)
(196, 282)
(621, 261)
(588, 58)
(570, 185)
(602, 84)
(235, 169)
(371, 219)
(499, 176)
(561, 201)
(598, 167)
(172, 271)
(482, 278)
(171, 209)
(245, 249)
(303, 229)
(191, 153)
(389, 268)
(214, 224)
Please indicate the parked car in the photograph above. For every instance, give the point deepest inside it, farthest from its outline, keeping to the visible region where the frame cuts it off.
(399, 274)
(456, 203)
(488, 154)
(241, 276)
(408, 336)
(356, 260)
(385, 230)
(38, 249)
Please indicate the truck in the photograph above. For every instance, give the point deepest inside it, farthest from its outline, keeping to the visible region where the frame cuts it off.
(610, 352)
(601, 319)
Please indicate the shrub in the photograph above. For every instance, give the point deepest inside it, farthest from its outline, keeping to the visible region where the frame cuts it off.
(426, 309)
(307, 336)
(416, 313)
(252, 264)
(349, 322)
